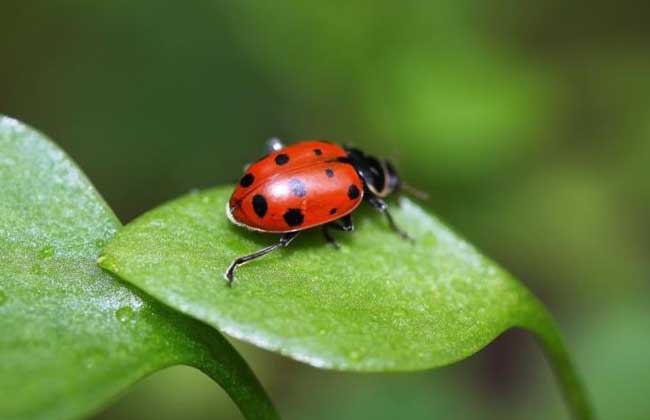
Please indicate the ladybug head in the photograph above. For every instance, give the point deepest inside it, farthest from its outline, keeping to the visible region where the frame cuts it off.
(379, 175)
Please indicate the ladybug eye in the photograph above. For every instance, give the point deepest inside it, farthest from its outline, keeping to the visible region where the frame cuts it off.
(378, 176)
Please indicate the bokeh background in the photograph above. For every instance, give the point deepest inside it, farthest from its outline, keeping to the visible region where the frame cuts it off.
(528, 123)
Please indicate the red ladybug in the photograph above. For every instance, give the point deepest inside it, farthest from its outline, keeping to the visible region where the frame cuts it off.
(308, 184)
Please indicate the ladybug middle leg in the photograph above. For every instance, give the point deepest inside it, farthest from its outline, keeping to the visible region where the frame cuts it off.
(346, 226)
(381, 205)
(329, 238)
(285, 240)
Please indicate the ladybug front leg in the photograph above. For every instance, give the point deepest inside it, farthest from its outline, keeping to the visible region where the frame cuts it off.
(381, 205)
(285, 240)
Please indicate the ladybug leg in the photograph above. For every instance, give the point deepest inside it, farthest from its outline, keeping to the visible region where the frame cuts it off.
(381, 205)
(273, 145)
(285, 240)
(329, 238)
(347, 225)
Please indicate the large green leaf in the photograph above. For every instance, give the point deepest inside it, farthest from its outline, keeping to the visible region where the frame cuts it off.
(72, 336)
(378, 304)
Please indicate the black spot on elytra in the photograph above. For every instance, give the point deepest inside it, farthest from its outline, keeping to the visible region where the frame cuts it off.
(259, 205)
(329, 172)
(353, 192)
(332, 211)
(282, 158)
(293, 217)
(318, 152)
(297, 187)
(247, 180)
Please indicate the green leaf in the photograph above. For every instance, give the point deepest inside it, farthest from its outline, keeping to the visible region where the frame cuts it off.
(378, 304)
(72, 336)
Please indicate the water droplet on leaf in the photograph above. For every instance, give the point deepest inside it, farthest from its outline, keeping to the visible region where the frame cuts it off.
(46, 252)
(125, 314)
(93, 357)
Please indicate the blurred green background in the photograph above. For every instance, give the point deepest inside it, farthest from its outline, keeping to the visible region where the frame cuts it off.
(527, 122)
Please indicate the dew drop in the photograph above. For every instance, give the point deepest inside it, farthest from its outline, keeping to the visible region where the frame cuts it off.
(125, 314)
(354, 355)
(3, 298)
(93, 357)
(100, 243)
(46, 252)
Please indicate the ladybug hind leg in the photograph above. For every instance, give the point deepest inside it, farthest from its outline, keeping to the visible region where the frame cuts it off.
(284, 241)
(381, 205)
(329, 238)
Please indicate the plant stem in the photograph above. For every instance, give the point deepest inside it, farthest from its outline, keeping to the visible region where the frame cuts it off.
(223, 364)
(542, 325)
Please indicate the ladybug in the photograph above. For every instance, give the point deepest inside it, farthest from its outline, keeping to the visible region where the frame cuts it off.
(305, 185)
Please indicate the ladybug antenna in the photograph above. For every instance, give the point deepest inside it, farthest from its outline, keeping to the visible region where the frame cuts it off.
(410, 190)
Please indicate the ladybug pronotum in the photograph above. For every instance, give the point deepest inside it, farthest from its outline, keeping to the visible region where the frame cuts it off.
(308, 184)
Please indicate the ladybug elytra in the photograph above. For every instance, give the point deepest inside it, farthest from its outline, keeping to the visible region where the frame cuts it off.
(308, 184)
